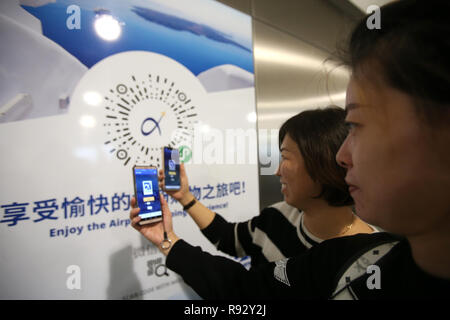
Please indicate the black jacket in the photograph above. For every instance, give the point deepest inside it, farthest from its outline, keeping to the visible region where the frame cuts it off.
(322, 272)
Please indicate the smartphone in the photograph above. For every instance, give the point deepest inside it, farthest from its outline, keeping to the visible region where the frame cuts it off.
(146, 192)
(171, 164)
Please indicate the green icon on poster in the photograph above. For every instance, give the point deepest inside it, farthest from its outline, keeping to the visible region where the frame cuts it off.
(185, 154)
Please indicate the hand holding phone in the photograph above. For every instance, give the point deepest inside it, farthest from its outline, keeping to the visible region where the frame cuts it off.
(183, 193)
(155, 232)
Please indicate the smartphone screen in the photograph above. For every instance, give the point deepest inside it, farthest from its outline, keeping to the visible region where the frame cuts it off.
(147, 192)
(171, 168)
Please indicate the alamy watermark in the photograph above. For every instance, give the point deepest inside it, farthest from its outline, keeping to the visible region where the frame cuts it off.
(233, 146)
(73, 281)
(374, 280)
(73, 21)
(374, 20)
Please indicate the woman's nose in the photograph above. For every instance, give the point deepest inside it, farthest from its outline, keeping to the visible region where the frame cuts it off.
(343, 156)
(278, 173)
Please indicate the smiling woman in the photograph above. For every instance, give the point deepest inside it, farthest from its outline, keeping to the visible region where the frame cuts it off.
(315, 136)
(311, 180)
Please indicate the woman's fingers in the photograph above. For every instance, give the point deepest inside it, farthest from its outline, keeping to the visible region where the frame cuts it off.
(182, 170)
(135, 223)
(161, 175)
(134, 214)
(161, 179)
(163, 203)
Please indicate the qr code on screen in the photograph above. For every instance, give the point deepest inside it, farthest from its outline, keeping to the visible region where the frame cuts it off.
(147, 186)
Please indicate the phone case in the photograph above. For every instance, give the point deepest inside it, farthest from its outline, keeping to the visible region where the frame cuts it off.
(148, 220)
(164, 167)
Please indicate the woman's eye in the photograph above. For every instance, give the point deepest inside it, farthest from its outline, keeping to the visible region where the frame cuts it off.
(350, 125)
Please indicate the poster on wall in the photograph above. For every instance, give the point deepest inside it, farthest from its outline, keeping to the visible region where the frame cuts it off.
(92, 88)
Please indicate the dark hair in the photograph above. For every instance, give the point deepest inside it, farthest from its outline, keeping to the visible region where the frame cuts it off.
(319, 134)
(411, 51)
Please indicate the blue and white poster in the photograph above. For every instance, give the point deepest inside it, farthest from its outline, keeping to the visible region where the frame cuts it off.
(88, 90)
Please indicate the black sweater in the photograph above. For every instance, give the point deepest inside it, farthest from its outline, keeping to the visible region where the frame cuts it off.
(276, 233)
(313, 274)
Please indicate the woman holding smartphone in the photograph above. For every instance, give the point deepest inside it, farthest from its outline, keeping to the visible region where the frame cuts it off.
(397, 158)
(317, 203)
